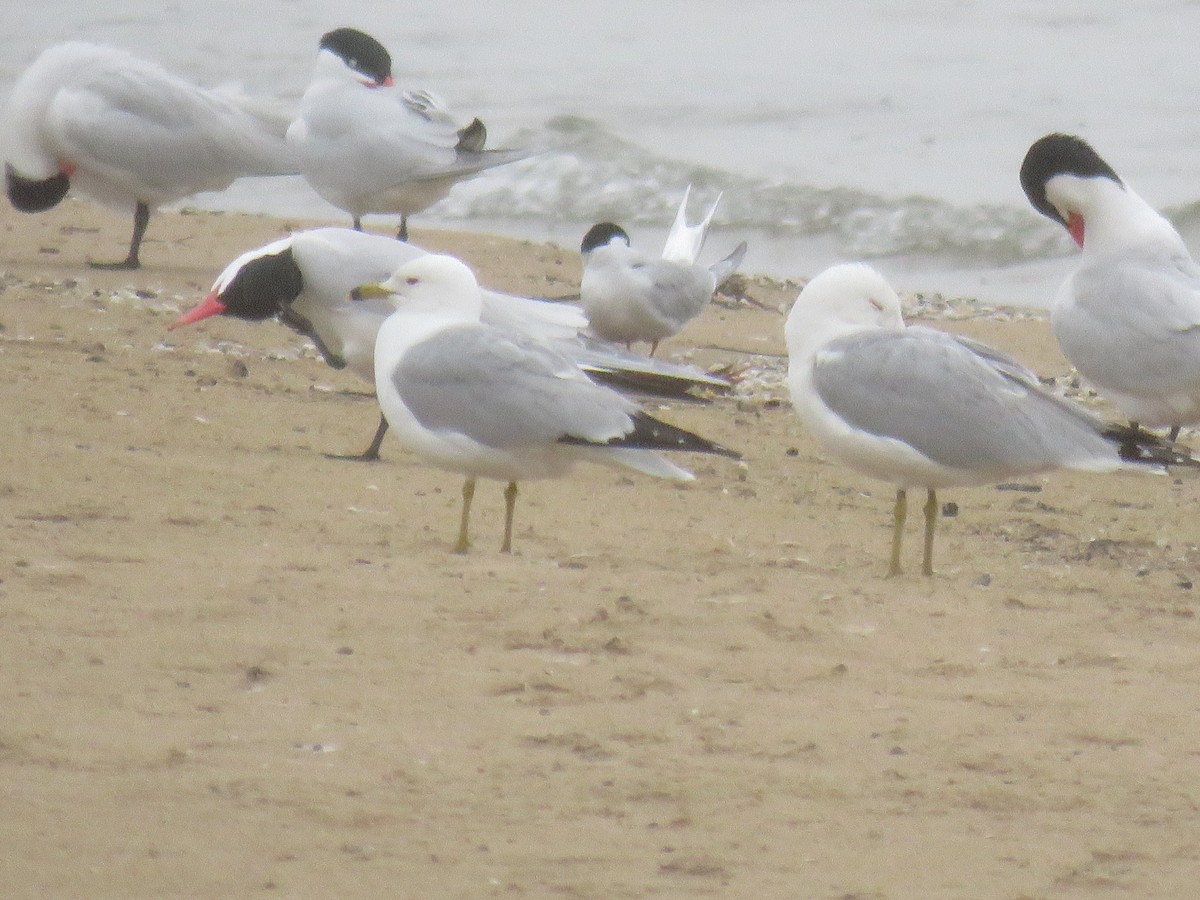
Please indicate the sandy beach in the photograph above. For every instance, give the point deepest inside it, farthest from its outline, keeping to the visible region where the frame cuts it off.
(234, 667)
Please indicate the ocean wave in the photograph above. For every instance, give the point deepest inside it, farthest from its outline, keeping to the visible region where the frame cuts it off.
(584, 173)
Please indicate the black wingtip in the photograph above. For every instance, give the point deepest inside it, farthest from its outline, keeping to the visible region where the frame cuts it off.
(1141, 447)
(649, 433)
(471, 138)
(654, 384)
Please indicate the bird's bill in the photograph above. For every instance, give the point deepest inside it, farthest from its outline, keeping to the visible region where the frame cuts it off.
(370, 291)
(1075, 227)
(209, 306)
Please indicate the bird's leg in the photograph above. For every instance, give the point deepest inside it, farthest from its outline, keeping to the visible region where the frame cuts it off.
(931, 517)
(468, 494)
(371, 454)
(510, 505)
(1173, 434)
(402, 234)
(357, 224)
(141, 218)
(653, 347)
(300, 324)
(898, 516)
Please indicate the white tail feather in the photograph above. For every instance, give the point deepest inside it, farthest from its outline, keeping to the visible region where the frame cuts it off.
(685, 241)
(648, 462)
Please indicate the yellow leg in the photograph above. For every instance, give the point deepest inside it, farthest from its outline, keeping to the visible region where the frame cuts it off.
(898, 517)
(931, 517)
(510, 505)
(468, 495)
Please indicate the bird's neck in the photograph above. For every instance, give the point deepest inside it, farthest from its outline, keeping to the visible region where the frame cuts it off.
(1125, 220)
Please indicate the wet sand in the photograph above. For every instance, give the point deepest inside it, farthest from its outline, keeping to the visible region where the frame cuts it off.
(234, 667)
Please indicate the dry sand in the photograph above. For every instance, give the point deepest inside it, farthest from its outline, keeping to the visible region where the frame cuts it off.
(235, 668)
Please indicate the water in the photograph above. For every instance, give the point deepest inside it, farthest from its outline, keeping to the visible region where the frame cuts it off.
(889, 130)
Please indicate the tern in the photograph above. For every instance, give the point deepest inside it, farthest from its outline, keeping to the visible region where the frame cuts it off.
(368, 147)
(629, 296)
(307, 280)
(1128, 317)
(128, 133)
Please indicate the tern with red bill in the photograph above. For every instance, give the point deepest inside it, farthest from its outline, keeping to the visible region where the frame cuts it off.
(127, 133)
(368, 147)
(1128, 317)
(307, 279)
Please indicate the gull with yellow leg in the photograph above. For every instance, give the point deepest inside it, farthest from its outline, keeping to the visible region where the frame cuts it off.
(492, 403)
(921, 408)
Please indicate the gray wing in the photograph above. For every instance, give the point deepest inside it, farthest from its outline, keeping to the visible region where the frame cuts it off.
(677, 293)
(1002, 362)
(504, 390)
(397, 145)
(176, 136)
(951, 403)
(1135, 326)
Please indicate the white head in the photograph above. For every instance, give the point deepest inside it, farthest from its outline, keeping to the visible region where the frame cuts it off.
(432, 283)
(841, 300)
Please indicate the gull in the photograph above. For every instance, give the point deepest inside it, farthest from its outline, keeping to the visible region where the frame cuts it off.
(629, 296)
(367, 147)
(1128, 317)
(127, 133)
(921, 408)
(305, 280)
(490, 403)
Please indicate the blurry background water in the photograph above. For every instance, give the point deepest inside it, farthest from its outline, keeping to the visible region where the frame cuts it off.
(890, 130)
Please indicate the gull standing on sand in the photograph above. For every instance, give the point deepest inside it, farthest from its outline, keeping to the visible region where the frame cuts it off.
(1128, 318)
(488, 403)
(631, 297)
(306, 279)
(127, 133)
(921, 408)
(367, 147)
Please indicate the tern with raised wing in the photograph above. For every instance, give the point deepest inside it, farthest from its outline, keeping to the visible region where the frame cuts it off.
(629, 296)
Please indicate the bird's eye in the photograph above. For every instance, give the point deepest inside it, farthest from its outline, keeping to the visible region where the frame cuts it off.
(412, 279)
(875, 303)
